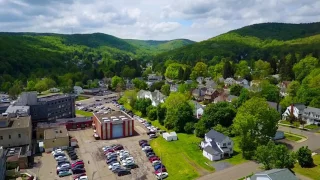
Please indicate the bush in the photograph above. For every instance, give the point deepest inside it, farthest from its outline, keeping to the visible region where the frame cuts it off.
(304, 156)
(189, 127)
(152, 113)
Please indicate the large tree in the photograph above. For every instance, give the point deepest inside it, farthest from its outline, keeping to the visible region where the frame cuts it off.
(242, 69)
(256, 123)
(270, 92)
(219, 113)
(235, 89)
(261, 69)
(139, 84)
(117, 82)
(142, 105)
(304, 67)
(200, 69)
(227, 70)
(165, 89)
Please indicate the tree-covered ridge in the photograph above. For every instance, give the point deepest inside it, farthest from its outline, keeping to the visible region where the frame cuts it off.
(159, 46)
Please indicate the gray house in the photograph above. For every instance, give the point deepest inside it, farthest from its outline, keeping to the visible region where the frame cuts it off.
(274, 174)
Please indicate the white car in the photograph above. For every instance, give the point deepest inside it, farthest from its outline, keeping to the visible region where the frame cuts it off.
(127, 159)
(162, 175)
(113, 165)
(56, 151)
(131, 162)
(106, 148)
(122, 152)
(61, 158)
(146, 148)
(124, 155)
(64, 166)
(82, 178)
(58, 154)
(156, 162)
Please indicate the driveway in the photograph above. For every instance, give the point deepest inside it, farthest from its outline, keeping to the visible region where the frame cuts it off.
(312, 142)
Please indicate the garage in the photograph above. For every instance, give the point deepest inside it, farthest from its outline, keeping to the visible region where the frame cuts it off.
(117, 130)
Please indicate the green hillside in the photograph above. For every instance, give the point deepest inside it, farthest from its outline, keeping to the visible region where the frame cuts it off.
(159, 46)
(260, 41)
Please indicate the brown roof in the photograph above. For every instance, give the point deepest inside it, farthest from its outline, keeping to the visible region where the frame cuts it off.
(59, 132)
(19, 122)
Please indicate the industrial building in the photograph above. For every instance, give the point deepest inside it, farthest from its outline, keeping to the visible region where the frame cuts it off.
(15, 130)
(75, 123)
(115, 124)
(2, 163)
(48, 108)
(19, 155)
(56, 138)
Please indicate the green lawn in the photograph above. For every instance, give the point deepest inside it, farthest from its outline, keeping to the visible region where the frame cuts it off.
(311, 126)
(237, 156)
(312, 173)
(285, 122)
(84, 113)
(292, 137)
(182, 158)
(79, 98)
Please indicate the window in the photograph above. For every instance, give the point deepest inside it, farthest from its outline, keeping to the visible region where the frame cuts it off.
(1, 137)
(9, 136)
(19, 135)
(224, 144)
(229, 143)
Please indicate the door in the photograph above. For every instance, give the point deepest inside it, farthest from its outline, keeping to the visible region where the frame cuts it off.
(117, 130)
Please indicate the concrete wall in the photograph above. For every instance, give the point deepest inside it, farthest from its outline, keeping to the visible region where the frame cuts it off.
(2, 163)
(55, 143)
(15, 140)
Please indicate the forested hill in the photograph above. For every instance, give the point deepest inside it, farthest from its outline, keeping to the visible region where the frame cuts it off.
(265, 41)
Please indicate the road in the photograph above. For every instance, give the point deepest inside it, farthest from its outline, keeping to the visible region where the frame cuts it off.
(312, 142)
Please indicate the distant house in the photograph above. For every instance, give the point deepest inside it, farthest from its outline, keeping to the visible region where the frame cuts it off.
(54, 90)
(101, 84)
(200, 80)
(243, 82)
(156, 97)
(211, 94)
(172, 136)
(188, 82)
(310, 115)
(199, 93)
(77, 90)
(274, 174)
(221, 80)
(154, 78)
(220, 98)
(230, 98)
(229, 82)
(216, 146)
(198, 109)
(211, 84)
(174, 87)
(283, 88)
(129, 84)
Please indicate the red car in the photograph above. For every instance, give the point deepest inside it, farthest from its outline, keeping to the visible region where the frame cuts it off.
(79, 175)
(117, 148)
(76, 163)
(159, 170)
(142, 142)
(154, 158)
(109, 151)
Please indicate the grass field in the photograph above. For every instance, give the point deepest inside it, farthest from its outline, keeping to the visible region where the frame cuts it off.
(237, 154)
(313, 172)
(83, 113)
(285, 122)
(182, 158)
(79, 98)
(311, 126)
(292, 137)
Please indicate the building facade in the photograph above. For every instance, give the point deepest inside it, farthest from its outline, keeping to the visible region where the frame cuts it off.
(15, 131)
(56, 138)
(115, 124)
(2, 163)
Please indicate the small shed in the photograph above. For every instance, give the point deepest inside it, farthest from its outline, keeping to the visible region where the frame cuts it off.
(279, 135)
(170, 136)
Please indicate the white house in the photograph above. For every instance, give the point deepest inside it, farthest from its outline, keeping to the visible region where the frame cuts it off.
(156, 97)
(170, 136)
(200, 80)
(216, 146)
(274, 174)
(229, 81)
(310, 115)
(77, 90)
(198, 109)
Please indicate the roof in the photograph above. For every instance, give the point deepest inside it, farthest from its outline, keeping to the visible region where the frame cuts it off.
(214, 150)
(220, 98)
(53, 97)
(101, 116)
(312, 110)
(216, 136)
(276, 174)
(173, 134)
(18, 122)
(15, 109)
(74, 120)
(59, 132)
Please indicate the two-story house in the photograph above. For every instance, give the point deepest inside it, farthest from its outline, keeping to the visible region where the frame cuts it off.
(199, 93)
(211, 84)
(198, 109)
(216, 146)
(310, 115)
(274, 174)
(229, 82)
(283, 88)
(156, 97)
(211, 94)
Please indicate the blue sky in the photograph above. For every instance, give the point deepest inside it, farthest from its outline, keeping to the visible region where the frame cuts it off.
(151, 19)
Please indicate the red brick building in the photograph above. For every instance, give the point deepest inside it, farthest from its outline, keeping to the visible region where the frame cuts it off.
(115, 124)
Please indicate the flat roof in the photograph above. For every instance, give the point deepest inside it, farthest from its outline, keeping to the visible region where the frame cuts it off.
(75, 120)
(53, 97)
(115, 114)
(59, 132)
(4, 104)
(18, 122)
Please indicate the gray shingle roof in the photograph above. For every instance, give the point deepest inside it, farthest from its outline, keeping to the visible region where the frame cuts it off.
(312, 110)
(216, 136)
(213, 150)
(276, 174)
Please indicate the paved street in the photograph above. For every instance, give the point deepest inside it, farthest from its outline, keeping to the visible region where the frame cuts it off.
(312, 142)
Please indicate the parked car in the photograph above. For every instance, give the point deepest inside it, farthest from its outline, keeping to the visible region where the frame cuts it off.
(159, 166)
(142, 141)
(160, 170)
(76, 163)
(156, 162)
(110, 161)
(61, 158)
(149, 152)
(123, 172)
(78, 175)
(124, 155)
(72, 154)
(131, 166)
(64, 173)
(62, 169)
(154, 158)
(78, 171)
(151, 155)
(128, 159)
(62, 166)
(62, 162)
(122, 151)
(115, 169)
(162, 175)
(82, 178)
(152, 136)
(151, 132)
(56, 151)
(114, 165)
(79, 160)
(109, 150)
(78, 166)
(146, 147)
(129, 162)
(117, 148)
(75, 157)
(58, 154)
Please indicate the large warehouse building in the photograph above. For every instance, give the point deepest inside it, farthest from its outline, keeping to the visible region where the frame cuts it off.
(115, 124)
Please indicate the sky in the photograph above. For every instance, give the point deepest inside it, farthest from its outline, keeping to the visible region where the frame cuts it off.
(151, 19)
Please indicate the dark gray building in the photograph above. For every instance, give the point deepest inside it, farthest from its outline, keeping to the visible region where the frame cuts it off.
(48, 108)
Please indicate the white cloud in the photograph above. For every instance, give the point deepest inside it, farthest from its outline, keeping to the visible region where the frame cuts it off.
(145, 19)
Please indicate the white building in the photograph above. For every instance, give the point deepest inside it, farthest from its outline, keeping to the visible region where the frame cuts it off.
(156, 97)
(170, 136)
(216, 146)
(310, 115)
(77, 90)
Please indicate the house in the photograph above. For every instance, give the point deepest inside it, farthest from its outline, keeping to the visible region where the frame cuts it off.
(77, 90)
(198, 109)
(310, 115)
(154, 78)
(274, 174)
(172, 136)
(243, 82)
(230, 98)
(211, 84)
(283, 88)
(216, 146)
(54, 90)
(200, 80)
(199, 93)
(221, 80)
(129, 84)
(156, 97)
(188, 82)
(211, 94)
(229, 82)
(174, 87)
(275, 106)
(220, 98)
(101, 84)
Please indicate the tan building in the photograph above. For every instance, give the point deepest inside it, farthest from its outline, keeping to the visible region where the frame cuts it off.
(56, 138)
(15, 131)
(41, 127)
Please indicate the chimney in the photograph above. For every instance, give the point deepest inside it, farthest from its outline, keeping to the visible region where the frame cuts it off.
(291, 110)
